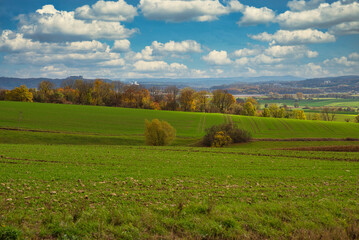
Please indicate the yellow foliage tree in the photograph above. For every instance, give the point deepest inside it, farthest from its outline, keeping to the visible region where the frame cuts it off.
(21, 94)
(159, 133)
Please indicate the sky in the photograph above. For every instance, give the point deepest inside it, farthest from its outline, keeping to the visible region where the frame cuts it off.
(178, 38)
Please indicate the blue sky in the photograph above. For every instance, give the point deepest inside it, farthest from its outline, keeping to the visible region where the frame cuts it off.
(178, 39)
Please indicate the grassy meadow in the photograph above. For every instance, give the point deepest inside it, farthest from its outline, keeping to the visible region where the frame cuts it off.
(83, 172)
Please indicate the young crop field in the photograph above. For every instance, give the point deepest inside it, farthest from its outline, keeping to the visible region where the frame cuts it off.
(330, 102)
(138, 192)
(125, 123)
(83, 172)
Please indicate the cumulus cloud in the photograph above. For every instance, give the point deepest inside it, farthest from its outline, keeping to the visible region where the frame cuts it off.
(217, 58)
(107, 11)
(345, 28)
(254, 16)
(301, 5)
(344, 61)
(177, 47)
(51, 25)
(15, 42)
(121, 45)
(153, 66)
(290, 51)
(244, 52)
(285, 37)
(187, 10)
(324, 16)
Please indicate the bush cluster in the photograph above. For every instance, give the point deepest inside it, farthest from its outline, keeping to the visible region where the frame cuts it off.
(216, 132)
(159, 133)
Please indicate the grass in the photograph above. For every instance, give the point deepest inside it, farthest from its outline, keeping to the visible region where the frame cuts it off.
(315, 102)
(137, 192)
(83, 172)
(106, 125)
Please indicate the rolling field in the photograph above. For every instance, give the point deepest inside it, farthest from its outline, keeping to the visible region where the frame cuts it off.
(315, 102)
(83, 172)
(124, 123)
(138, 192)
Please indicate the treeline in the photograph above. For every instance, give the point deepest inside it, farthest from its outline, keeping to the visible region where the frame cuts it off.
(119, 94)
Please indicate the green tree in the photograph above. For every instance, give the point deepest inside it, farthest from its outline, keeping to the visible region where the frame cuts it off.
(159, 133)
(266, 112)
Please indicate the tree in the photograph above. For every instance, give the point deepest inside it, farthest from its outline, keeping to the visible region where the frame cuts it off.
(21, 94)
(328, 114)
(222, 99)
(187, 100)
(159, 133)
(266, 112)
(249, 109)
(299, 95)
(299, 114)
(356, 119)
(171, 97)
(201, 98)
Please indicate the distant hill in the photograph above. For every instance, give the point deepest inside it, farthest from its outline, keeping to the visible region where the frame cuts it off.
(10, 83)
(341, 84)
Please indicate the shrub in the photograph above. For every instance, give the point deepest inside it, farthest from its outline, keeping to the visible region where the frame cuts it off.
(159, 133)
(236, 134)
(221, 139)
(356, 119)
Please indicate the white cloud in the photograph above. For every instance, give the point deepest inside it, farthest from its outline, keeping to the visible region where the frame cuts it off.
(187, 10)
(113, 63)
(121, 45)
(301, 5)
(217, 58)
(107, 11)
(15, 42)
(242, 61)
(265, 59)
(285, 37)
(354, 56)
(341, 61)
(290, 51)
(345, 28)
(177, 47)
(145, 54)
(254, 16)
(154, 66)
(326, 15)
(51, 25)
(244, 52)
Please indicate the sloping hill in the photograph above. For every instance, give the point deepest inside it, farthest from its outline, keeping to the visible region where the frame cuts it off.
(130, 122)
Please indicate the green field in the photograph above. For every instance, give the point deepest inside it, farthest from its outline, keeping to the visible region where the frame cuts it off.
(327, 102)
(124, 123)
(82, 172)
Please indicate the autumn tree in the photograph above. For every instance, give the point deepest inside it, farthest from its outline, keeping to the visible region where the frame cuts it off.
(222, 99)
(21, 94)
(171, 98)
(299, 95)
(202, 100)
(187, 100)
(328, 114)
(298, 114)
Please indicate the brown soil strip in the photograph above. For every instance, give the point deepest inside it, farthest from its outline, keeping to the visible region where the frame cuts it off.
(302, 139)
(255, 154)
(326, 148)
(27, 161)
